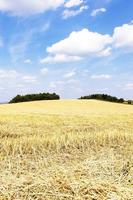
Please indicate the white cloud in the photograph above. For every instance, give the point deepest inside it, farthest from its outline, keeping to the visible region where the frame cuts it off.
(77, 46)
(27, 61)
(14, 75)
(73, 3)
(98, 11)
(123, 36)
(60, 58)
(101, 76)
(84, 43)
(44, 71)
(8, 73)
(61, 84)
(29, 79)
(72, 13)
(81, 43)
(70, 74)
(56, 84)
(105, 52)
(30, 7)
(18, 83)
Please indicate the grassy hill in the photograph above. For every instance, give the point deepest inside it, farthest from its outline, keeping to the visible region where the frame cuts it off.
(67, 149)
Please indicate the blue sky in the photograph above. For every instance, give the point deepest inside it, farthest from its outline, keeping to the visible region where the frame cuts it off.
(71, 47)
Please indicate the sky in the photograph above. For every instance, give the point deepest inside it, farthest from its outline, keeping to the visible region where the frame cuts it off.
(71, 47)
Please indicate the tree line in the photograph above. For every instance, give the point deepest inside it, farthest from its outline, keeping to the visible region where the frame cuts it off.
(104, 97)
(54, 96)
(35, 97)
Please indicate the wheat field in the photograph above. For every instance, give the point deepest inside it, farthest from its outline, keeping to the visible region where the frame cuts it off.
(67, 149)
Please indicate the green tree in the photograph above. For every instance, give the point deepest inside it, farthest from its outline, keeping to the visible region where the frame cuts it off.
(35, 97)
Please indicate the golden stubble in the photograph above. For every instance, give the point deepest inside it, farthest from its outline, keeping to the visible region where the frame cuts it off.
(68, 149)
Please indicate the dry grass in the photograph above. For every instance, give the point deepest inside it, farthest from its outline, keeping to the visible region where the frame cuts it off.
(75, 150)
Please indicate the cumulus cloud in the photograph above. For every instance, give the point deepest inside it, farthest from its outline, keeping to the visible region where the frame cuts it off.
(98, 11)
(101, 77)
(85, 43)
(72, 13)
(123, 36)
(77, 46)
(81, 43)
(30, 7)
(73, 3)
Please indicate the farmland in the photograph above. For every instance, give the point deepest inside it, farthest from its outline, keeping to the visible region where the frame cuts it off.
(67, 149)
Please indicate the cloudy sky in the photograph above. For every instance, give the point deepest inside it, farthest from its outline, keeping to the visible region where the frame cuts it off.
(71, 47)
